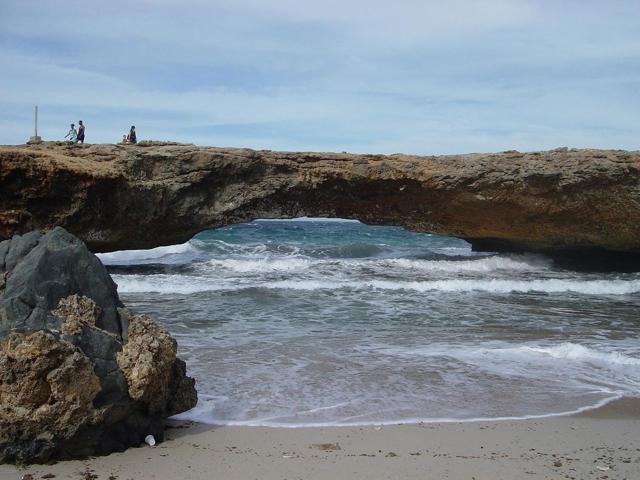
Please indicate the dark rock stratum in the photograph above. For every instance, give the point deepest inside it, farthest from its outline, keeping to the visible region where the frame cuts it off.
(125, 197)
(79, 374)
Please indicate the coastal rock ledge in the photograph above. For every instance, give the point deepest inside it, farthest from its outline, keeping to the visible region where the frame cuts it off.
(80, 375)
(118, 197)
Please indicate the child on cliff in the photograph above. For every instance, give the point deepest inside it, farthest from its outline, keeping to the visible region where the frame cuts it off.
(73, 135)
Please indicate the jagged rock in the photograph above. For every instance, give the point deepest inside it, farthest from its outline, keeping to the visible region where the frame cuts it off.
(148, 362)
(132, 196)
(47, 388)
(40, 270)
(76, 312)
(76, 386)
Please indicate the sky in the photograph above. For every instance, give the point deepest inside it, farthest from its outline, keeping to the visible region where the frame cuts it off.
(364, 76)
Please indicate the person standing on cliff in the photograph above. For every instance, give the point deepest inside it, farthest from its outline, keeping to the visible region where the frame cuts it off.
(132, 135)
(73, 135)
(80, 132)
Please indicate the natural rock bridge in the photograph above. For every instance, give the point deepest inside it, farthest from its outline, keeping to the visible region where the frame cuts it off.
(128, 197)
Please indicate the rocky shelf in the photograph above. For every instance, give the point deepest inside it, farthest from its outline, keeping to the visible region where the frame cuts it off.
(128, 197)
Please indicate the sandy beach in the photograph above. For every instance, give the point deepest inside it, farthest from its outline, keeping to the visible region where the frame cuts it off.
(599, 444)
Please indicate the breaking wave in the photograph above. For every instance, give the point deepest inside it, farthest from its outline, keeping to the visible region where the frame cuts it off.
(135, 256)
(184, 284)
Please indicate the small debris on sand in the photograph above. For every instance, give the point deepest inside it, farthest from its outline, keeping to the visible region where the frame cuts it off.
(327, 447)
(88, 474)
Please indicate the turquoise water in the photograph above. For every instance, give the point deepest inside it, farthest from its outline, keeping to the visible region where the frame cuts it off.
(320, 323)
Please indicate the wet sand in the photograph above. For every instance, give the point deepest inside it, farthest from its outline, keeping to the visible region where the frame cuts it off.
(599, 444)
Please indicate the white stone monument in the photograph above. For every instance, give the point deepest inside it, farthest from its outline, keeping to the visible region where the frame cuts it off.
(35, 138)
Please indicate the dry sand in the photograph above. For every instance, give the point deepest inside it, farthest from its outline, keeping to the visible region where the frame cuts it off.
(600, 444)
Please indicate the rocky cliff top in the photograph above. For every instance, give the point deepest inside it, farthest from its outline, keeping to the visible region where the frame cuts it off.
(141, 196)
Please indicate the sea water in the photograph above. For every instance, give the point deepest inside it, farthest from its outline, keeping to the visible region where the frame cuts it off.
(294, 323)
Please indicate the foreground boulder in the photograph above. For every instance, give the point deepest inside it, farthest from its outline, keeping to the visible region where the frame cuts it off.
(86, 377)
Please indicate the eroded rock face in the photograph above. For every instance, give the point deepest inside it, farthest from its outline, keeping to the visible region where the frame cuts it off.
(47, 388)
(74, 384)
(154, 374)
(118, 197)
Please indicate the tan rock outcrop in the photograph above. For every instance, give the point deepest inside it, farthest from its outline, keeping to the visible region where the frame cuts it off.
(123, 196)
(47, 388)
(147, 362)
(77, 311)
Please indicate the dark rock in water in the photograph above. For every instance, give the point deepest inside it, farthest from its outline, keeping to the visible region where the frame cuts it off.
(84, 378)
(39, 270)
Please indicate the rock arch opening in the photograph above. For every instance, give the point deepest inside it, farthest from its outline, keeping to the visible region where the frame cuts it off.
(581, 203)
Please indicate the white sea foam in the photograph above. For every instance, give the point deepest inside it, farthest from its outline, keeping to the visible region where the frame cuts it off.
(202, 413)
(295, 263)
(169, 284)
(261, 265)
(589, 287)
(567, 351)
(480, 265)
(567, 368)
(123, 257)
(575, 352)
(183, 284)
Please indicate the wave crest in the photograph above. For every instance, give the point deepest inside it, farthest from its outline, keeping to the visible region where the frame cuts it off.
(123, 257)
(185, 284)
(574, 351)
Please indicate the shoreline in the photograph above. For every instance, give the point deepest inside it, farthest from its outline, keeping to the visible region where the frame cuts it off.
(597, 443)
(388, 423)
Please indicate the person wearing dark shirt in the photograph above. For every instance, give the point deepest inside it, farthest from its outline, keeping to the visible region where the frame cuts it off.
(132, 135)
(80, 132)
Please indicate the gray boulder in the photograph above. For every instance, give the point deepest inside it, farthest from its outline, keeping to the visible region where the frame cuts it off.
(39, 270)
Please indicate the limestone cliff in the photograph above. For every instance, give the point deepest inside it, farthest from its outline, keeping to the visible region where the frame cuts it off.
(126, 197)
